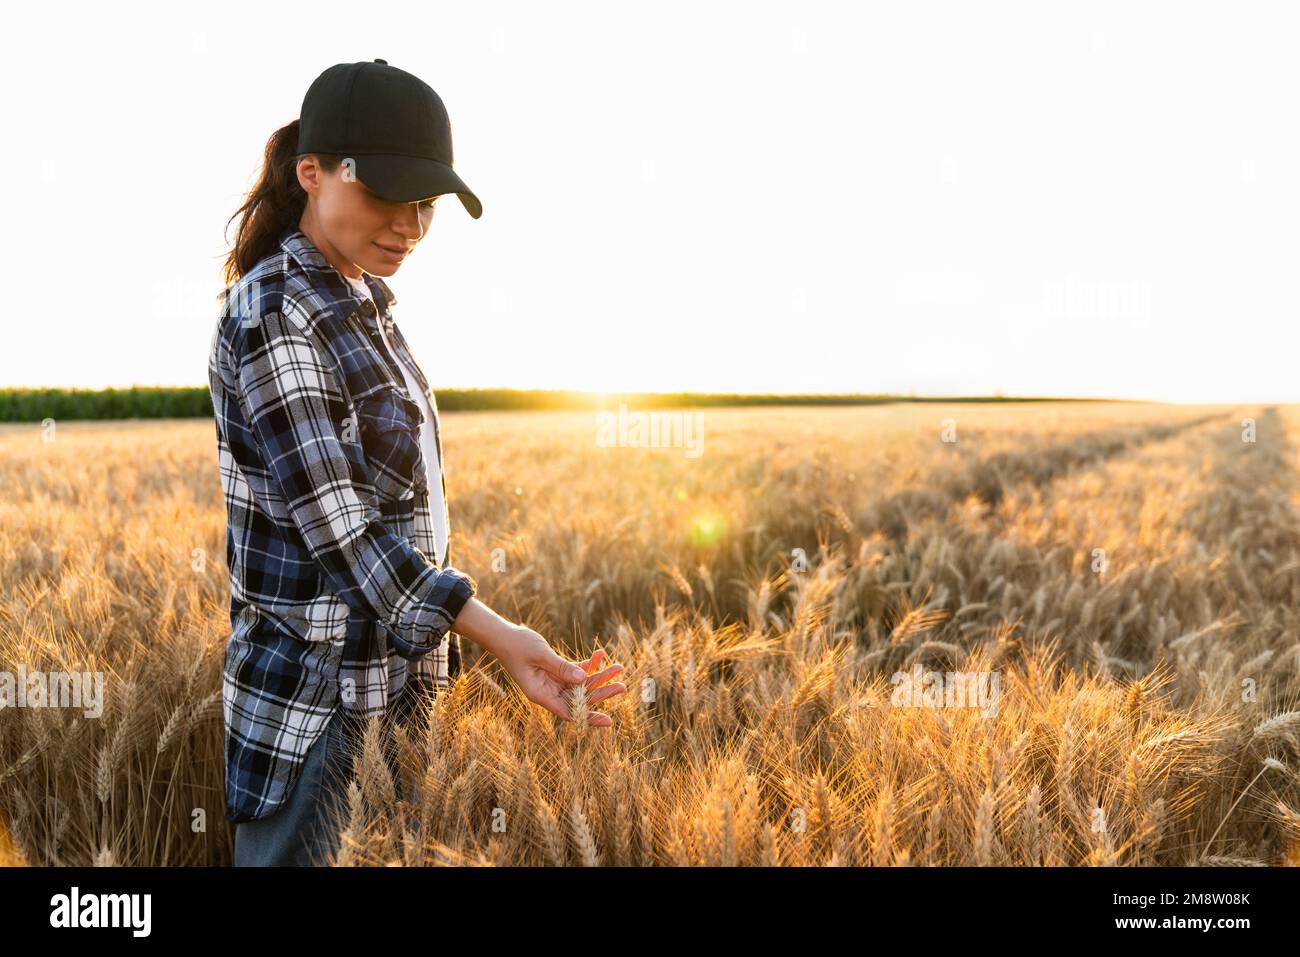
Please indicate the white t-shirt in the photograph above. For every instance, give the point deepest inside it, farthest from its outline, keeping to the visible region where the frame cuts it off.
(428, 441)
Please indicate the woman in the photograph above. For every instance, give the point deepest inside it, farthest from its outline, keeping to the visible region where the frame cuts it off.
(343, 601)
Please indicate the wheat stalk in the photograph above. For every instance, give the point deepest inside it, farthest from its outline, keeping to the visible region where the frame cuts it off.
(985, 836)
(552, 839)
(583, 842)
(578, 708)
(1281, 725)
(1031, 827)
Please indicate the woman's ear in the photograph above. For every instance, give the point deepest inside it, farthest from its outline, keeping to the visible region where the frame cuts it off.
(309, 174)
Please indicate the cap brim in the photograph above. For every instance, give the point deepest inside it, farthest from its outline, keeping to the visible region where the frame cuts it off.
(409, 179)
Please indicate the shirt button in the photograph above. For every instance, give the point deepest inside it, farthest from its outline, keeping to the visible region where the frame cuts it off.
(368, 308)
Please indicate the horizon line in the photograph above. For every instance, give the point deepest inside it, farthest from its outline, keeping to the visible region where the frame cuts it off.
(597, 394)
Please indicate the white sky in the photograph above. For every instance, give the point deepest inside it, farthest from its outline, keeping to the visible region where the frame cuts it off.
(1090, 199)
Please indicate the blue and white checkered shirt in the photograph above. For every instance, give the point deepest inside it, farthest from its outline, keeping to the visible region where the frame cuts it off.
(336, 594)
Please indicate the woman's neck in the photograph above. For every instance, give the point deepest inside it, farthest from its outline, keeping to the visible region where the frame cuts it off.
(312, 231)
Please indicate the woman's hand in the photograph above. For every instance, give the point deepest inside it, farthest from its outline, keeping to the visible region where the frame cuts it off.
(545, 677)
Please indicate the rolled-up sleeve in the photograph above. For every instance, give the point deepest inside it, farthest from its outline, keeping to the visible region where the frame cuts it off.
(295, 409)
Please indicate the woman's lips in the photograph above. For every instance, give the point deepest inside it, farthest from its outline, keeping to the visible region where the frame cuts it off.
(391, 255)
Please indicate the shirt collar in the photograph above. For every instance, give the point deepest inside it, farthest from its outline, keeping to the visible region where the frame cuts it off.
(295, 242)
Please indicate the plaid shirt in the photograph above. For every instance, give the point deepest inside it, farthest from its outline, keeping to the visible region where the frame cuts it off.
(335, 593)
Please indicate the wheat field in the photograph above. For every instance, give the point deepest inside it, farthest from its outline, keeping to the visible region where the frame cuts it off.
(1129, 574)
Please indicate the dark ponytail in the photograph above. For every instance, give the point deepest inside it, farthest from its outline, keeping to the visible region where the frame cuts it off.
(274, 204)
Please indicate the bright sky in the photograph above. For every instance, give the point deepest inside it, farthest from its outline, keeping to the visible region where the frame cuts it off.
(1090, 199)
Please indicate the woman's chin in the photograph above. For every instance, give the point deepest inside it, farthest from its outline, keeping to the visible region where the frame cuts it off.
(379, 268)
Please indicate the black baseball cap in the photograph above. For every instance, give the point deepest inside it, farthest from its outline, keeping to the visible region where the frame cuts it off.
(391, 124)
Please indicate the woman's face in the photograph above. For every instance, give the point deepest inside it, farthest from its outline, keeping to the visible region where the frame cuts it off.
(353, 228)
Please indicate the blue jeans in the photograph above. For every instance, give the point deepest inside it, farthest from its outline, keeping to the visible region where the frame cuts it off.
(300, 833)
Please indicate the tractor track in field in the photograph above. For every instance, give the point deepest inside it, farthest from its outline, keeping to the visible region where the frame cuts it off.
(990, 479)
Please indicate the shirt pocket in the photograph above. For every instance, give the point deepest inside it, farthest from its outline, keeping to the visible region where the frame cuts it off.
(389, 424)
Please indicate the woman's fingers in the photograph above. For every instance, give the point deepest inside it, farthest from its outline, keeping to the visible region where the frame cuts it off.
(594, 677)
(607, 692)
(557, 702)
(563, 669)
(596, 680)
(553, 697)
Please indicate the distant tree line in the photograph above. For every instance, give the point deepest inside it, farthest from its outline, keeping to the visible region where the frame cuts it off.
(181, 402)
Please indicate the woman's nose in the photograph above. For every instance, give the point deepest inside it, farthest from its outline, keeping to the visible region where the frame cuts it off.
(409, 222)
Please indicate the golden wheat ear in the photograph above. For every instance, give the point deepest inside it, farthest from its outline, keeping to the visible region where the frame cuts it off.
(578, 709)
